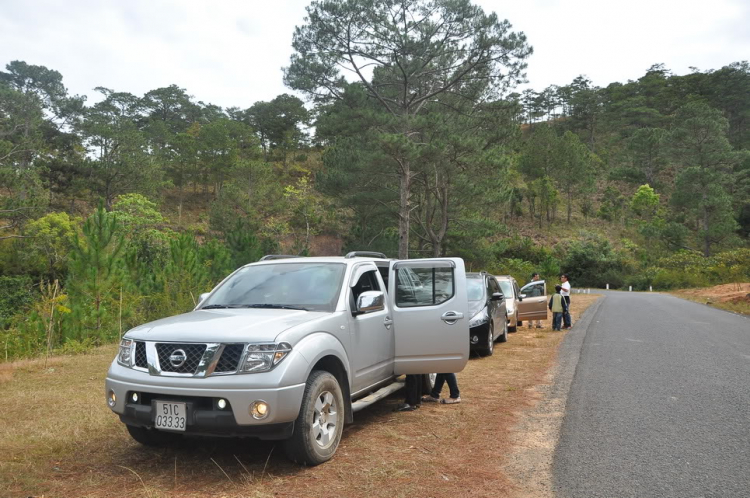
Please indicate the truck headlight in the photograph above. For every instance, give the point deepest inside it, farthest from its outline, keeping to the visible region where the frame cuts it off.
(125, 355)
(263, 357)
(480, 318)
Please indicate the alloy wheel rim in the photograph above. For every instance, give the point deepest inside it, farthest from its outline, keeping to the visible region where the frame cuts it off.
(325, 420)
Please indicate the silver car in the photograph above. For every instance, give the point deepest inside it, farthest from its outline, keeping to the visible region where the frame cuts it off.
(289, 349)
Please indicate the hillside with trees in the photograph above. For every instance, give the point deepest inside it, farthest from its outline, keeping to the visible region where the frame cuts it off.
(413, 139)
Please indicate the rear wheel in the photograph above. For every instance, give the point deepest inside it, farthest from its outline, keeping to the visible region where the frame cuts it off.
(152, 437)
(318, 428)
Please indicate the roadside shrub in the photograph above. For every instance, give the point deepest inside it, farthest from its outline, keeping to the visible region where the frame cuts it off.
(592, 261)
(691, 269)
(519, 269)
(667, 279)
(39, 326)
(16, 293)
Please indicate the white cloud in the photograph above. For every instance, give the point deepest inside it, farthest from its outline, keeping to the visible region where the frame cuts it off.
(231, 52)
(618, 41)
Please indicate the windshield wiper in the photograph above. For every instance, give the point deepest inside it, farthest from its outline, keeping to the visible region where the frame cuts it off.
(274, 306)
(222, 306)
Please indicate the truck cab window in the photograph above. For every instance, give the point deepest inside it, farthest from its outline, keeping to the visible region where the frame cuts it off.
(423, 286)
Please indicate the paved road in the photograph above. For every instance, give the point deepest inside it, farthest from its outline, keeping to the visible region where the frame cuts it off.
(659, 404)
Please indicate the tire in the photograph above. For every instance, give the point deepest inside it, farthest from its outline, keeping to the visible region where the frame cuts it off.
(152, 437)
(489, 346)
(504, 336)
(428, 382)
(320, 423)
(515, 327)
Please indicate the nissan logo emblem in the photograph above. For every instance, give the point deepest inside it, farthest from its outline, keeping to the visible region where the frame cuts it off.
(178, 358)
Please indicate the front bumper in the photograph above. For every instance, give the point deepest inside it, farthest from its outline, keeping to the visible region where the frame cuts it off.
(477, 336)
(240, 391)
(203, 418)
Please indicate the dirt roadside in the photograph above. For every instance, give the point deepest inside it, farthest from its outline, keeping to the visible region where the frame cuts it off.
(731, 297)
(534, 438)
(59, 439)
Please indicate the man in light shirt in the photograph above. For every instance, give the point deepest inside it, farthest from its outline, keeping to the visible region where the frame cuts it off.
(565, 293)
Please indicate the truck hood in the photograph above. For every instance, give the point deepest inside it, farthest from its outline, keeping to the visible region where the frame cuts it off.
(223, 325)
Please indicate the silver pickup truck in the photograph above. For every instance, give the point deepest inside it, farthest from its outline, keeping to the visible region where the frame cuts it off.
(288, 348)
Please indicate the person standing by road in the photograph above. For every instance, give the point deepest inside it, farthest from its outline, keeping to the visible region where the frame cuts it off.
(535, 277)
(565, 293)
(440, 380)
(558, 306)
(413, 394)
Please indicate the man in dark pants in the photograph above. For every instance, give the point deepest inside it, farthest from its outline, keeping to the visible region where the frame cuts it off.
(565, 292)
(413, 399)
(440, 380)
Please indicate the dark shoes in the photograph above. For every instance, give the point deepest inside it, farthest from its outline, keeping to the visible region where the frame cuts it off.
(430, 399)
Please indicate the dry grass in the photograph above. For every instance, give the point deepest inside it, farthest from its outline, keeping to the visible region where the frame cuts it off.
(732, 297)
(58, 438)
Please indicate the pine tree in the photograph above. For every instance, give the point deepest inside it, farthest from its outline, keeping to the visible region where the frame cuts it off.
(96, 276)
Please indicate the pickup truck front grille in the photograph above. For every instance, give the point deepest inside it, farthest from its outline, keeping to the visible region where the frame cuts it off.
(140, 354)
(230, 358)
(180, 358)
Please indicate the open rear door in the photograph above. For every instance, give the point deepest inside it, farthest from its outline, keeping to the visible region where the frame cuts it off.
(533, 304)
(430, 315)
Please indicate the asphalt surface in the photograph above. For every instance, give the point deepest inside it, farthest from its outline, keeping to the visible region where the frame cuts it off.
(659, 403)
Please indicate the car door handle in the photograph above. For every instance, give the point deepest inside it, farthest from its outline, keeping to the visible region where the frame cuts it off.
(451, 317)
(387, 322)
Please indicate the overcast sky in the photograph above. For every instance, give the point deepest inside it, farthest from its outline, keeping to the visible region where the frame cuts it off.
(230, 52)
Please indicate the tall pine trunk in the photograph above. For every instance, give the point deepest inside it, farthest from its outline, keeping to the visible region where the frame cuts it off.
(404, 211)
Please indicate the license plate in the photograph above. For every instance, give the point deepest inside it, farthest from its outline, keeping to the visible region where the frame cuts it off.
(170, 416)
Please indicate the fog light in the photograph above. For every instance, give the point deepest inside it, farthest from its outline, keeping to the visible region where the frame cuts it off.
(474, 339)
(222, 403)
(259, 410)
(134, 397)
(111, 398)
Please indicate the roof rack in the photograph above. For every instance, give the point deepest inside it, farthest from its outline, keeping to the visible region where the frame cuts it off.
(367, 254)
(278, 256)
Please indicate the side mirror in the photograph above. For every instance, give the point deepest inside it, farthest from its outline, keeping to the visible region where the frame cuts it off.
(497, 296)
(369, 302)
(520, 298)
(203, 297)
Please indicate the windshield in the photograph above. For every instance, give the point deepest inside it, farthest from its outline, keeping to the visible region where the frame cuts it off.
(308, 286)
(507, 288)
(475, 289)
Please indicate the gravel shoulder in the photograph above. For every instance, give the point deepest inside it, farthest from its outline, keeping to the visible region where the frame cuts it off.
(534, 438)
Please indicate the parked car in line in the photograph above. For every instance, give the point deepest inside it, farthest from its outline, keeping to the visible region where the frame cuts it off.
(512, 293)
(289, 348)
(533, 301)
(489, 319)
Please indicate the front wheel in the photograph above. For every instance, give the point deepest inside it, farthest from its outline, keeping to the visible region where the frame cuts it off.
(318, 428)
(504, 336)
(489, 346)
(514, 327)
